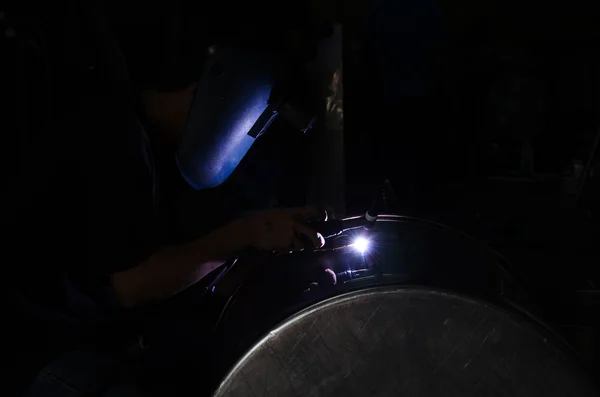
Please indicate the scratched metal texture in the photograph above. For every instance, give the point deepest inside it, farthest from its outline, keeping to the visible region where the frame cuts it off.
(388, 341)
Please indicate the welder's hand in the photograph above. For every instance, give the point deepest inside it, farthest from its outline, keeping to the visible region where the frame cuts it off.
(284, 230)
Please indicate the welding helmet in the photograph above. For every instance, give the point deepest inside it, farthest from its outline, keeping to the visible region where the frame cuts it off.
(233, 104)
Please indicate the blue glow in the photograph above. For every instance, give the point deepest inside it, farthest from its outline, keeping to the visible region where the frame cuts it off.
(225, 110)
(361, 244)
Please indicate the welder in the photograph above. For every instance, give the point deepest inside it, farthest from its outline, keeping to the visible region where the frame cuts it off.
(135, 144)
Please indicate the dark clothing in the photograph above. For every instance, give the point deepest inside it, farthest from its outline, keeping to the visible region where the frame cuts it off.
(95, 215)
(90, 200)
(86, 197)
(95, 192)
(68, 229)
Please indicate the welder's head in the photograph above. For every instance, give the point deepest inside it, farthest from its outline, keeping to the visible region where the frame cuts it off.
(232, 105)
(215, 120)
(238, 88)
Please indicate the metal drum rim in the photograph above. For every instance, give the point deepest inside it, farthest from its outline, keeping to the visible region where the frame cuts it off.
(531, 321)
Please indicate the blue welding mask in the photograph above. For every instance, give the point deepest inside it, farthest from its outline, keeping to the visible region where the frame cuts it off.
(232, 106)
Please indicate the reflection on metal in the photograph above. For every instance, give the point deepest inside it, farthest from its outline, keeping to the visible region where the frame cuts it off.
(389, 341)
(374, 333)
(402, 250)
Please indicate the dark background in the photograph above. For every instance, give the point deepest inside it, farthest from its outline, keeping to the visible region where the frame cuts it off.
(485, 115)
(503, 115)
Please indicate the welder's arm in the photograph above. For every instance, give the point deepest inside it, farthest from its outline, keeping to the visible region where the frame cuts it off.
(175, 268)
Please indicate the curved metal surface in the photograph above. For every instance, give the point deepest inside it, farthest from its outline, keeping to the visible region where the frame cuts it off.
(387, 341)
(403, 251)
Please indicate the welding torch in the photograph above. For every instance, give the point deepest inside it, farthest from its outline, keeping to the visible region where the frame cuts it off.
(335, 227)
